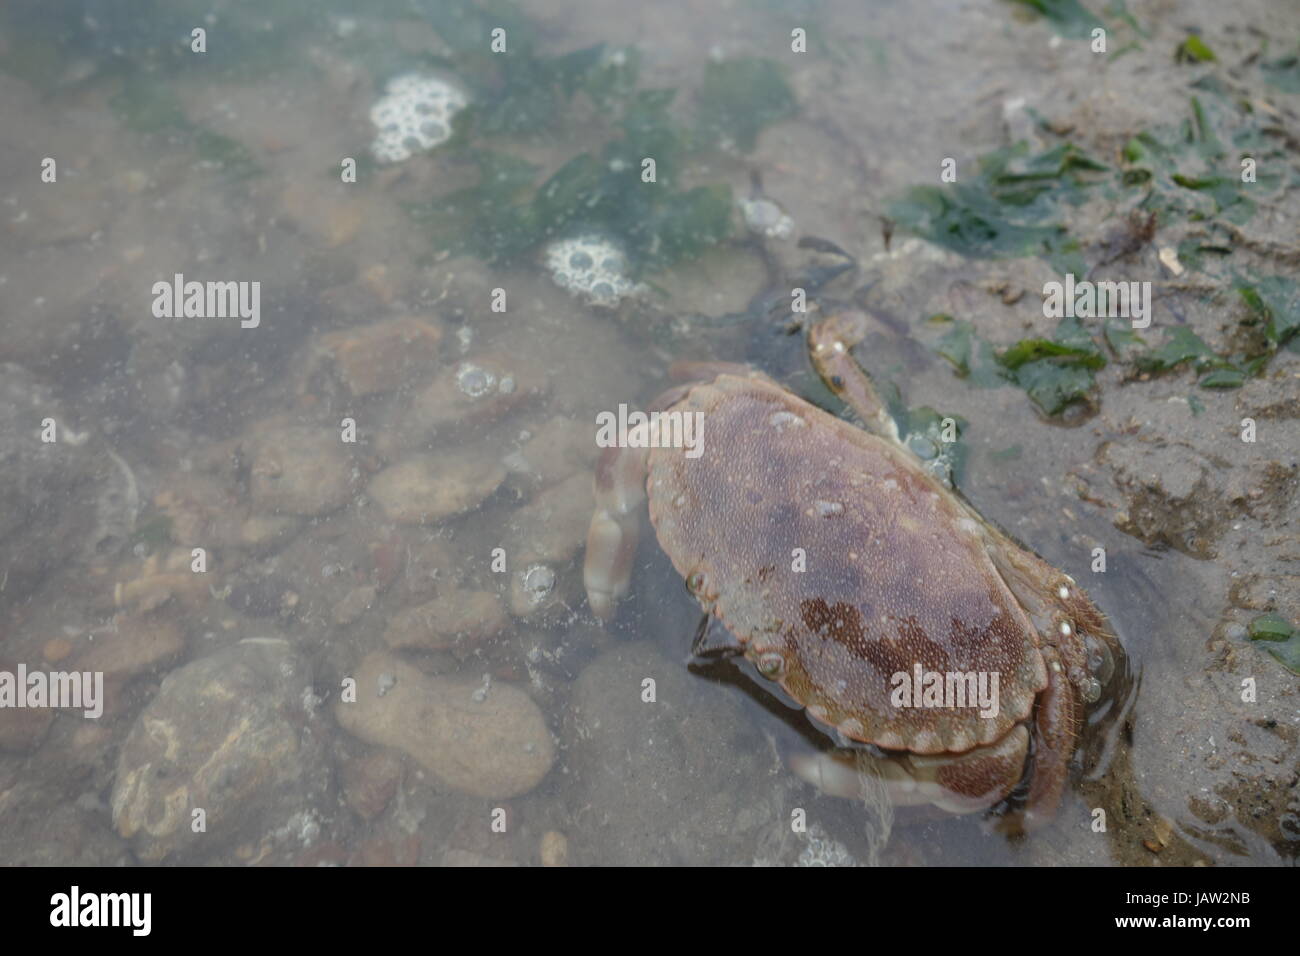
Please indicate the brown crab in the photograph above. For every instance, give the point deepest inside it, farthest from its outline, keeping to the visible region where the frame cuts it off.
(899, 573)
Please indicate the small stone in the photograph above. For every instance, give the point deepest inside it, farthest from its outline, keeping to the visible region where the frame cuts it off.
(555, 848)
(379, 282)
(424, 489)
(23, 728)
(456, 619)
(478, 390)
(370, 782)
(470, 858)
(380, 357)
(355, 603)
(495, 747)
(1168, 257)
(263, 534)
(330, 216)
(56, 650)
(137, 644)
(553, 526)
(300, 470)
(558, 448)
(200, 510)
(382, 851)
(430, 565)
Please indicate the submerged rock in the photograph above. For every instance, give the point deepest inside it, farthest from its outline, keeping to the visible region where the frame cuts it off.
(484, 738)
(136, 644)
(685, 780)
(455, 620)
(553, 526)
(557, 449)
(235, 734)
(380, 357)
(478, 390)
(424, 489)
(300, 470)
(49, 513)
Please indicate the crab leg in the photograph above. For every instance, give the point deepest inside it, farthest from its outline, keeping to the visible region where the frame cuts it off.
(615, 528)
(1055, 730)
(615, 525)
(829, 342)
(964, 783)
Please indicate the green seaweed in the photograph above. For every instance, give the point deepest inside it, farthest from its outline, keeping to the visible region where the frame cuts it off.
(1181, 345)
(147, 104)
(1284, 72)
(505, 215)
(1194, 50)
(229, 155)
(972, 357)
(1069, 18)
(1123, 341)
(502, 218)
(922, 429)
(1011, 208)
(1224, 378)
(1270, 627)
(740, 96)
(1275, 300)
(1281, 639)
(1018, 206)
(154, 531)
(1053, 387)
(1055, 373)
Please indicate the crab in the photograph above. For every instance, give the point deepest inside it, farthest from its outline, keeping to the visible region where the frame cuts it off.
(847, 573)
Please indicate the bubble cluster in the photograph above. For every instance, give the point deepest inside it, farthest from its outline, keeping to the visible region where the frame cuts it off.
(538, 582)
(413, 115)
(474, 380)
(592, 267)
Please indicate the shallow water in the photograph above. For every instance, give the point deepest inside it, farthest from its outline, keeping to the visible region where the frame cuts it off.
(336, 558)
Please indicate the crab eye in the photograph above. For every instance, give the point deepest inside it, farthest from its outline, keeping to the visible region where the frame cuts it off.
(770, 664)
(1090, 690)
(695, 583)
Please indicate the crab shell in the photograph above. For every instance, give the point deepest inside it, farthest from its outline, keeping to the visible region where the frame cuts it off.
(839, 562)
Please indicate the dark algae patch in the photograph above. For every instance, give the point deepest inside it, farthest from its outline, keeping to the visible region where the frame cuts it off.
(508, 213)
